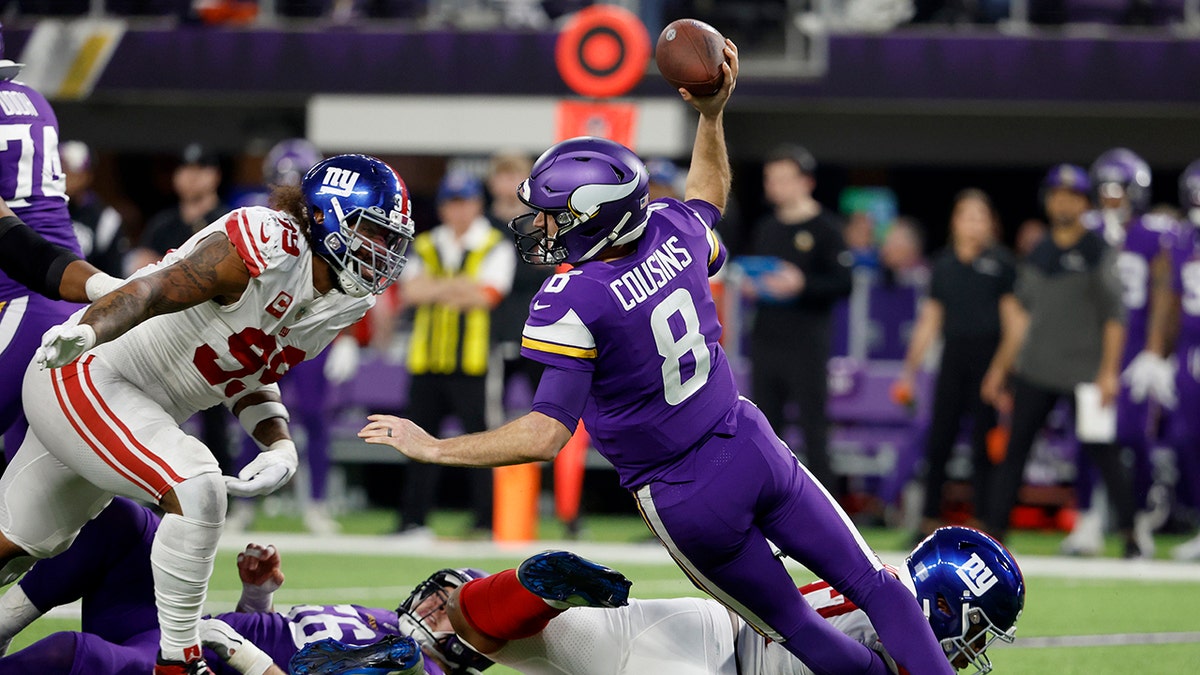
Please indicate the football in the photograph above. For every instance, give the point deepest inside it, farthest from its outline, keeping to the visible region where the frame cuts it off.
(689, 54)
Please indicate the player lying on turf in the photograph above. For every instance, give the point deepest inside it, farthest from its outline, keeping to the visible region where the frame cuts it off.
(966, 582)
(108, 567)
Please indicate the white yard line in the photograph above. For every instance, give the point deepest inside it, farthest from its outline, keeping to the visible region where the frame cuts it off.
(652, 554)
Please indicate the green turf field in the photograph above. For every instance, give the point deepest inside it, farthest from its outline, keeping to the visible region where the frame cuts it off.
(1138, 606)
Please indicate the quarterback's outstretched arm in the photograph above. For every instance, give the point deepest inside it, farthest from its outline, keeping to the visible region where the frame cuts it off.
(709, 177)
(535, 437)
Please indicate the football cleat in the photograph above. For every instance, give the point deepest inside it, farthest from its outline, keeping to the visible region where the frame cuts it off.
(393, 655)
(562, 576)
(164, 667)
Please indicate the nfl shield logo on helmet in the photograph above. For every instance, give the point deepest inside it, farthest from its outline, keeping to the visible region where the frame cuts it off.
(333, 242)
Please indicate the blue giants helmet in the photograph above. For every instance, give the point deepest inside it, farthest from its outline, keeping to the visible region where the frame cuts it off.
(1120, 172)
(1189, 192)
(971, 589)
(366, 223)
(288, 160)
(426, 605)
(595, 190)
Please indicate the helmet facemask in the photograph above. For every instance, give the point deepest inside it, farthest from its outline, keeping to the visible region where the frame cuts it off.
(977, 634)
(368, 249)
(424, 608)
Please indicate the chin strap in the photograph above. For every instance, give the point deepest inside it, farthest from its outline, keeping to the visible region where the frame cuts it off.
(350, 285)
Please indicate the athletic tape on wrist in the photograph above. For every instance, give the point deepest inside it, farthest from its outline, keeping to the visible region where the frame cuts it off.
(252, 415)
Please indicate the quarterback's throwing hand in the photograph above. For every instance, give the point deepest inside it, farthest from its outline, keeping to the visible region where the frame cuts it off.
(63, 344)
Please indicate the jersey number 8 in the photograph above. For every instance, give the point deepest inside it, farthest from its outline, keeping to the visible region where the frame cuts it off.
(677, 351)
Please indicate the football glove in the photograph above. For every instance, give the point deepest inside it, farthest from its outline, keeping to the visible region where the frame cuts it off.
(63, 344)
(271, 470)
(1150, 375)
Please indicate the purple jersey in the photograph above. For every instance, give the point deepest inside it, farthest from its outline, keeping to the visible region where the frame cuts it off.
(281, 636)
(31, 175)
(646, 327)
(1185, 276)
(1140, 242)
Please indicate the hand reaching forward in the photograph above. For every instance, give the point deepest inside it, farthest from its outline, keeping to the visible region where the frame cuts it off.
(401, 434)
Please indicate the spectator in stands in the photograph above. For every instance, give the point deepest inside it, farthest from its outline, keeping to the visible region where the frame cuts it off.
(970, 290)
(790, 339)
(98, 226)
(1070, 332)
(902, 255)
(196, 181)
(457, 273)
(505, 173)
(859, 234)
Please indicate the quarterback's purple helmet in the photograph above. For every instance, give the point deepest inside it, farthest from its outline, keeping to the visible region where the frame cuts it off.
(596, 192)
(430, 597)
(367, 220)
(981, 588)
(288, 160)
(1120, 172)
(1189, 192)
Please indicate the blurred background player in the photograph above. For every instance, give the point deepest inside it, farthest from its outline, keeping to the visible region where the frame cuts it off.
(1070, 332)
(282, 283)
(790, 338)
(108, 568)
(558, 613)
(971, 288)
(31, 127)
(1174, 332)
(306, 389)
(459, 271)
(1122, 183)
(98, 226)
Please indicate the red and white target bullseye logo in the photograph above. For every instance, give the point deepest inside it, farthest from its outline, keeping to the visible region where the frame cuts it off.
(603, 51)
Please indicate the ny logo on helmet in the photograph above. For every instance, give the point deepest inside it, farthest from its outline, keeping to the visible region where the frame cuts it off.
(338, 182)
(976, 575)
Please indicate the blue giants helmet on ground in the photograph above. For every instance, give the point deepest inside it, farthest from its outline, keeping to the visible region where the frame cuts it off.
(426, 606)
(594, 189)
(1120, 172)
(288, 160)
(1189, 192)
(365, 223)
(971, 589)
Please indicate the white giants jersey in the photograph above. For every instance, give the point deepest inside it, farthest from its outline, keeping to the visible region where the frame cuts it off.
(208, 354)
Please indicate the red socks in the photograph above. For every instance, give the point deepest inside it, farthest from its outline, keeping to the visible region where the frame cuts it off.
(500, 607)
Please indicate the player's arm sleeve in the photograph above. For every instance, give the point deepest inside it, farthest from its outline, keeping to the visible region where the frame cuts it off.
(709, 215)
(555, 334)
(561, 394)
(30, 259)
